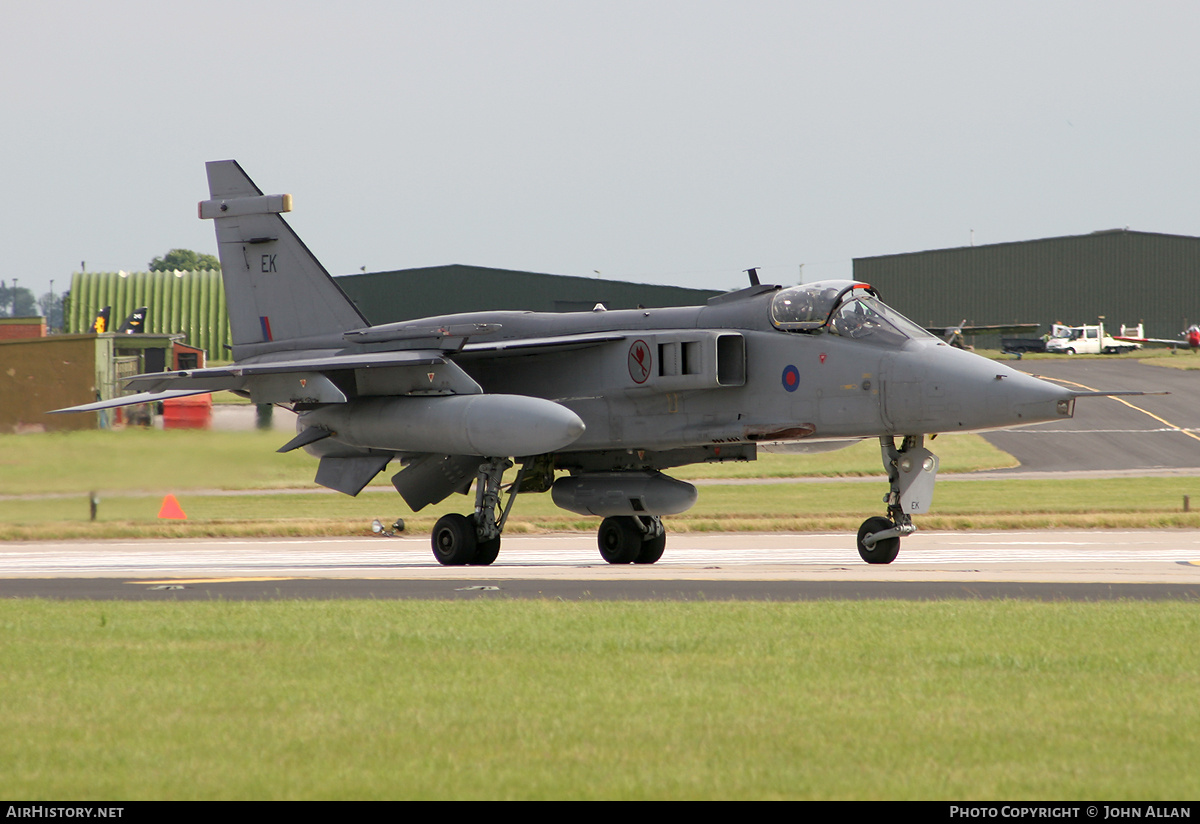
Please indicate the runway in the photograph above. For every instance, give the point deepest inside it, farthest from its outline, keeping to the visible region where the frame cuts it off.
(1149, 432)
(1057, 564)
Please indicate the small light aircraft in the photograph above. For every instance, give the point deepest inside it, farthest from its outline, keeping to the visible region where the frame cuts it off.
(607, 399)
(956, 335)
(1189, 338)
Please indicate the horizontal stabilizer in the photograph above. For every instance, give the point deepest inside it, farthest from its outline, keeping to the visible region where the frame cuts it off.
(310, 435)
(130, 400)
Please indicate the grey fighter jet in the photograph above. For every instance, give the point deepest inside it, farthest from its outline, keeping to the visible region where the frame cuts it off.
(592, 405)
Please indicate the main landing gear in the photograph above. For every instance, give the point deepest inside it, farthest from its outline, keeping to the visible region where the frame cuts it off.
(912, 471)
(475, 539)
(629, 539)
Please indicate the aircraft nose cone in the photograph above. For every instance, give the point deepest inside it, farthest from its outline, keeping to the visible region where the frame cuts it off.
(943, 389)
(1026, 399)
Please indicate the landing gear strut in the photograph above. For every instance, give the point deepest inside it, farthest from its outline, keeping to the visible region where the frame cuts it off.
(475, 539)
(912, 470)
(629, 539)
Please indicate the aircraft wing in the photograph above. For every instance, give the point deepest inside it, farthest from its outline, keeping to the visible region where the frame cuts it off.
(1159, 341)
(230, 376)
(1002, 329)
(130, 400)
(523, 346)
(305, 380)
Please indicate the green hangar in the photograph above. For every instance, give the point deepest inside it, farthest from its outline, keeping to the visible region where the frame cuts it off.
(388, 297)
(1121, 275)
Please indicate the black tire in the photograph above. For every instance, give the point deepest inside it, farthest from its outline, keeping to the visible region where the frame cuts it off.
(486, 551)
(885, 551)
(652, 549)
(453, 540)
(620, 540)
(1070, 351)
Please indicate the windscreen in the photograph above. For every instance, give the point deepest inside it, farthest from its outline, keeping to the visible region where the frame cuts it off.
(842, 308)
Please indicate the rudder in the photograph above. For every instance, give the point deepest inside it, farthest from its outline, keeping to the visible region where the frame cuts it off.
(275, 289)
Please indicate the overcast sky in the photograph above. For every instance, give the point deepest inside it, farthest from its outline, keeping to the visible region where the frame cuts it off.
(662, 142)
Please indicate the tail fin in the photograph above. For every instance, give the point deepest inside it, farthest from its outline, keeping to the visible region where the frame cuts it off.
(100, 324)
(135, 323)
(274, 288)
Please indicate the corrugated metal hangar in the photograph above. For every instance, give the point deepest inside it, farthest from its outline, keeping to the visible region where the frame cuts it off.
(1123, 275)
(193, 303)
(388, 297)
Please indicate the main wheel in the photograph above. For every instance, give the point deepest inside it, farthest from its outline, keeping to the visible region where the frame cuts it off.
(486, 551)
(884, 551)
(652, 549)
(620, 540)
(454, 540)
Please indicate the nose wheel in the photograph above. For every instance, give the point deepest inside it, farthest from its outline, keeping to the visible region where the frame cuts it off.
(880, 550)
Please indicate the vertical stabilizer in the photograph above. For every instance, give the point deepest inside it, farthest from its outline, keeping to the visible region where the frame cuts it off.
(275, 289)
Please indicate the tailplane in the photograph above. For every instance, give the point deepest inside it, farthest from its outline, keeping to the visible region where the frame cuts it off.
(275, 290)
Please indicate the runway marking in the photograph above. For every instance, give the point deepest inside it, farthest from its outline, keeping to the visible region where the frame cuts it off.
(1044, 431)
(307, 564)
(1131, 406)
(210, 580)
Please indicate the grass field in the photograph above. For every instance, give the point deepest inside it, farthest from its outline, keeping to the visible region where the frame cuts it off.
(153, 460)
(518, 699)
(580, 700)
(794, 507)
(1185, 360)
(1149, 353)
(49, 477)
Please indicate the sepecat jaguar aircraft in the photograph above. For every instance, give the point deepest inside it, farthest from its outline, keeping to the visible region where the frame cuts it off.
(593, 406)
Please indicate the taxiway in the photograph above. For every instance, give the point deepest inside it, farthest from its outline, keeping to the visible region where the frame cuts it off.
(1056, 564)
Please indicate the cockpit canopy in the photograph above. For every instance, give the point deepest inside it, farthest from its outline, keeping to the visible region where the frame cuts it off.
(842, 307)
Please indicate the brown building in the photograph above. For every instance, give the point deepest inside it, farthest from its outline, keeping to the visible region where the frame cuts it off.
(22, 328)
(40, 374)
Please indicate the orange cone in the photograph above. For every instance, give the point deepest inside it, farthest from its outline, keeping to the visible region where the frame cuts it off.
(171, 510)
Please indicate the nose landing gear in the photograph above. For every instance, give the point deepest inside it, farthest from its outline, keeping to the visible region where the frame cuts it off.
(912, 472)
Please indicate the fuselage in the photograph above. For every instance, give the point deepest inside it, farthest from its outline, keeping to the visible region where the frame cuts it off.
(725, 373)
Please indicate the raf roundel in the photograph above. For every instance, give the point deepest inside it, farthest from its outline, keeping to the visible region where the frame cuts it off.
(791, 378)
